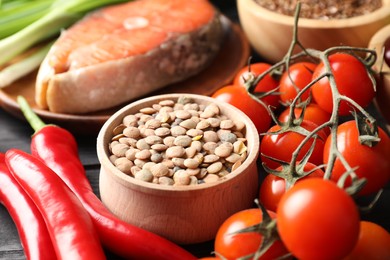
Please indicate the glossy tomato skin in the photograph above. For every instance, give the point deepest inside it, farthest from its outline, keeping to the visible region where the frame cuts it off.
(273, 187)
(352, 80)
(318, 220)
(301, 73)
(239, 97)
(233, 246)
(373, 162)
(373, 243)
(313, 113)
(281, 146)
(267, 83)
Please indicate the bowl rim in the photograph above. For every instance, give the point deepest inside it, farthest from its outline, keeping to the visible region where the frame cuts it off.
(266, 14)
(376, 39)
(105, 163)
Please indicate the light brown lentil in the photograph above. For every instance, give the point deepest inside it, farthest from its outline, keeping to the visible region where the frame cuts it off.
(153, 139)
(210, 178)
(190, 152)
(124, 165)
(144, 175)
(143, 155)
(119, 149)
(159, 170)
(162, 131)
(183, 141)
(165, 181)
(181, 177)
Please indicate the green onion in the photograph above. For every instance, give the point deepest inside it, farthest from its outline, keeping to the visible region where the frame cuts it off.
(25, 23)
(16, 15)
(22, 68)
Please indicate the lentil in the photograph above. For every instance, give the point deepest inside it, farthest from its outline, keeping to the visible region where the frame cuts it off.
(165, 181)
(323, 9)
(178, 143)
(144, 175)
(124, 165)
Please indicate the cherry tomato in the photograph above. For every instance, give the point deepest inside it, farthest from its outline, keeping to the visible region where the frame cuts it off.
(352, 80)
(386, 46)
(318, 220)
(267, 83)
(373, 162)
(273, 187)
(301, 74)
(232, 245)
(313, 113)
(239, 97)
(373, 243)
(281, 146)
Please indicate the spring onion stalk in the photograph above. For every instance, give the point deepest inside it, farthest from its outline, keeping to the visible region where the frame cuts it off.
(60, 15)
(22, 68)
(15, 15)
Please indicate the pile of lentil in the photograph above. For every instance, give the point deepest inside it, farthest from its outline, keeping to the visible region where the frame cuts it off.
(178, 143)
(322, 9)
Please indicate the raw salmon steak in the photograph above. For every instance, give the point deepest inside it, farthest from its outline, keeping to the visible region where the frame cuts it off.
(122, 52)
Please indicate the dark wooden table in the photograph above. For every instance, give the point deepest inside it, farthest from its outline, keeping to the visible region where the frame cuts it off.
(15, 133)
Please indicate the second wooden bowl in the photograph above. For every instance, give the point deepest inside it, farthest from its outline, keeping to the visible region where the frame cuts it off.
(183, 214)
(270, 33)
(382, 98)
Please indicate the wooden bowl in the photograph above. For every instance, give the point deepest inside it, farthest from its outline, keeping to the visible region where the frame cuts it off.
(382, 98)
(182, 214)
(270, 33)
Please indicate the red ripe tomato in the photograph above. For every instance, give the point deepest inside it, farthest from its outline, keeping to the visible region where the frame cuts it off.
(281, 146)
(352, 80)
(373, 162)
(233, 246)
(373, 243)
(318, 220)
(301, 74)
(239, 97)
(267, 83)
(273, 187)
(313, 113)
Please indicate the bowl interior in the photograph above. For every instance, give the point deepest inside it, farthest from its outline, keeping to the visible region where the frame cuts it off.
(380, 13)
(105, 136)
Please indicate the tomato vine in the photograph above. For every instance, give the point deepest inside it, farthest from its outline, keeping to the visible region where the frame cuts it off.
(294, 124)
(369, 134)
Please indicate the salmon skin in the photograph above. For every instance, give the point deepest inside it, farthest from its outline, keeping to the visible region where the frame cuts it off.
(122, 52)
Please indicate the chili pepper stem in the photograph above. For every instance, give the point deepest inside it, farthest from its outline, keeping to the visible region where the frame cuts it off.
(35, 122)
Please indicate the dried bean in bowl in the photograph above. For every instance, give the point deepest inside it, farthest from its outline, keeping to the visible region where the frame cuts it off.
(178, 143)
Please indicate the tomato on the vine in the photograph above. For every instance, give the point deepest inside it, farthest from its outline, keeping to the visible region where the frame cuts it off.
(352, 80)
(318, 220)
(281, 146)
(239, 97)
(372, 163)
(232, 245)
(373, 243)
(294, 80)
(313, 113)
(273, 187)
(267, 83)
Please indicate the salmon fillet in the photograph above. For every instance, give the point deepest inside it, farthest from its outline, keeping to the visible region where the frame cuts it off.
(125, 51)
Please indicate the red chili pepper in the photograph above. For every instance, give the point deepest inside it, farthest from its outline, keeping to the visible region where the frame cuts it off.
(69, 225)
(31, 227)
(58, 149)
